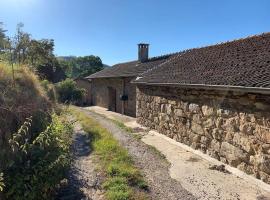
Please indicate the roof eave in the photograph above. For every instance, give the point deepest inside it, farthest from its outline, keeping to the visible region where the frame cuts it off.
(257, 90)
(127, 76)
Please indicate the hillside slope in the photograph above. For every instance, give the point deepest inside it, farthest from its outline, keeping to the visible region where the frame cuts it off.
(20, 99)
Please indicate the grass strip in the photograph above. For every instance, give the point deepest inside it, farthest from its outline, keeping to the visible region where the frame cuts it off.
(123, 180)
(122, 126)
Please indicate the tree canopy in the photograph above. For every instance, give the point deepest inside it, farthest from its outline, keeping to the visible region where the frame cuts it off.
(39, 55)
(81, 66)
(2, 37)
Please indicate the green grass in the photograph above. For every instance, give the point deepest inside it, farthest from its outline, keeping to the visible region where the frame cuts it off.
(157, 152)
(122, 126)
(123, 180)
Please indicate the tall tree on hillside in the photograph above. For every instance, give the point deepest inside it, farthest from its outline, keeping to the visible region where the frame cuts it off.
(84, 66)
(17, 41)
(2, 37)
(40, 52)
(40, 56)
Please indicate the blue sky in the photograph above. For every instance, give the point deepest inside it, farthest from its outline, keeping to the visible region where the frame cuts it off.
(111, 29)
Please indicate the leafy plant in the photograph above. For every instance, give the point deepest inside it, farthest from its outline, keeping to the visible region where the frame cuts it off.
(38, 165)
(50, 89)
(68, 92)
(2, 184)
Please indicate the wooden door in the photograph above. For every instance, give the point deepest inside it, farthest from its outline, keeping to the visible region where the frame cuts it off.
(112, 99)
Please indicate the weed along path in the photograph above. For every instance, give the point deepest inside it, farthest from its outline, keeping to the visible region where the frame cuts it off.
(154, 167)
(83, 181)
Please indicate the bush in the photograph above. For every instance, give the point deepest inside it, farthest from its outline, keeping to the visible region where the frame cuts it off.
(34, 143)
(50, 90)
(68, 92)
(37, 166)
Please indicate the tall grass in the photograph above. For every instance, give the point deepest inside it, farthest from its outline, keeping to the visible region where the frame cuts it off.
(123, 180)
(23, 99)
(34, 142)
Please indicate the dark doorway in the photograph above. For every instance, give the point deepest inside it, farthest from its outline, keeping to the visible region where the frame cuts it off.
(112, 99)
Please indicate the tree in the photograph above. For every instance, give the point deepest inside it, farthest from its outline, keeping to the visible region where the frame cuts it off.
(84, 66)
(66, 66)
(40, 52)
(2, 37)
(51, 71)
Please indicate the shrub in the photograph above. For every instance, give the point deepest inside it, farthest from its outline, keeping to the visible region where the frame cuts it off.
(68, 92)
(37, 166)
(50, 90)
(34, 142)
(2, 185)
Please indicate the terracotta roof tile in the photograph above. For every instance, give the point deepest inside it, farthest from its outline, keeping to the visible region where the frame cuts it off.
(244, 62)
(129, 69)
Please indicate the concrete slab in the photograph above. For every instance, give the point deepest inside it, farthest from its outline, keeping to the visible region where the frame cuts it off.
(110, 114)
(191, 169)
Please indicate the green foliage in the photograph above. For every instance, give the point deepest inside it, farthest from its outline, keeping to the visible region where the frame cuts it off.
(117, 189)
(123, 126)
(34, 143)
(66, 66)
(2, 184)
(87, 65)
(2, 37)
(38, 165)
(50, 89)
(81, 66)
(39, 54)
(68, 92)
(123, 180)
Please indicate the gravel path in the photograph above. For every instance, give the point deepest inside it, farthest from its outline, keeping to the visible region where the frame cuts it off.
(154, 168)
(84, 183)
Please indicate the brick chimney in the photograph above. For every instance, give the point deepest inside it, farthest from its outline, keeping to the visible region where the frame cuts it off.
(143, 52)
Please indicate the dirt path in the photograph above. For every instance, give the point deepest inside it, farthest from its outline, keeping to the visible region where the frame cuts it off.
(83, 181)
(154, 168)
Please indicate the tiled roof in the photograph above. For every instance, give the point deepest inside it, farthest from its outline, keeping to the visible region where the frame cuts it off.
(244, 62)
(129, 69)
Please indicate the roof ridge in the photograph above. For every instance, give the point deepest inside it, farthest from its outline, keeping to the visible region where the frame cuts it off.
(223, 42)
(241, 62)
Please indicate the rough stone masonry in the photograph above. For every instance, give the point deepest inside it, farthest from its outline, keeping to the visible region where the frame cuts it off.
(232, 127)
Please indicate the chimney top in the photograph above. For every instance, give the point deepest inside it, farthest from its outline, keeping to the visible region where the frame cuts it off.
(143, 49)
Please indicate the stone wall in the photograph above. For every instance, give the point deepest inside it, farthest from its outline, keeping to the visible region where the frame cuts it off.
(231, 127)
(100, 96)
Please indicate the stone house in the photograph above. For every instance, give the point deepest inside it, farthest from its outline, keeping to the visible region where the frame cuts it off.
(85, 84)
(112, 89)
(215, 99)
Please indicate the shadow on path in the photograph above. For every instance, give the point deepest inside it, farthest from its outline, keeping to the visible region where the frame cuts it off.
(82, 182)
